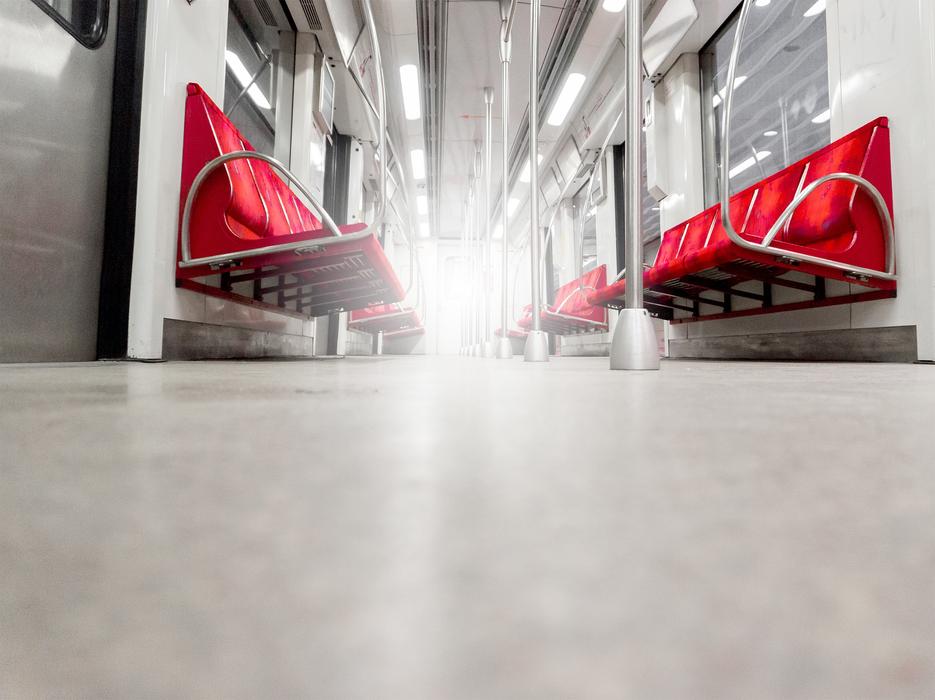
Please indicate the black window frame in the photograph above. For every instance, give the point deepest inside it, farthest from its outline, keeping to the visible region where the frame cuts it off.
(93, 42)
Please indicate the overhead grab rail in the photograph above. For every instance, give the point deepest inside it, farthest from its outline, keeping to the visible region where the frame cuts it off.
(766, 245)
(299, 247)
(246, 88)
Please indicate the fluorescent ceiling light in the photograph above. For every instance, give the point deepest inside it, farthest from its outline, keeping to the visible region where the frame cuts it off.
(417, 156)
(243, 77)
(770, 133)
(722, 93)
(422, 204)
(424, 230)
(815, 9)
(763, 3)
(614, 5)
(749, 163)
(511, 205)
(822, 118)
(525, 175)
(566, 98)
(412, 104)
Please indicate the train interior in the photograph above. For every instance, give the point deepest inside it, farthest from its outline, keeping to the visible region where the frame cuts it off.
(467, 348)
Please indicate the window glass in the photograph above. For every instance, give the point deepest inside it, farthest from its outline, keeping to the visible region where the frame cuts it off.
(259, 59)
(86, 20)
(589, 242)
(650, 206)
(781, 106)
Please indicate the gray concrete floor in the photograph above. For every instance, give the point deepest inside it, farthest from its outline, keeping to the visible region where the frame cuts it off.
(453, 528)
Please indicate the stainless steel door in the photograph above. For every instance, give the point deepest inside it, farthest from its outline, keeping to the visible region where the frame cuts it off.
(55, 107)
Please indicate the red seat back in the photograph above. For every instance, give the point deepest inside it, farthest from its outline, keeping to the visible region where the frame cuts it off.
(572, 299)
(826, 214)
(670, 244)
(245, 206)
(256, 203)
(740, 215)
(773, 195)
(697, 232)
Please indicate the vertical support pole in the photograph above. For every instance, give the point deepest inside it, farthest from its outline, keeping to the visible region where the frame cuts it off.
(537, 344)
(634, 345)
(472, 251)
(504, 347)
(488, 346)
(462, 302)
(477, 250)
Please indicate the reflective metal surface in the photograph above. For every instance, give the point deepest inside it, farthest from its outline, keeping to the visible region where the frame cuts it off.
(536, 338)
(55, 109)
(634, 344)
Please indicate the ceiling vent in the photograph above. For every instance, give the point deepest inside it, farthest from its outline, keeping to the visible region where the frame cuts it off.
(311, 15)
(265, 12)
(432, 22)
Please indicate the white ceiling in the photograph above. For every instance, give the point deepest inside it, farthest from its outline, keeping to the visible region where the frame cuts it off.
(472, 63)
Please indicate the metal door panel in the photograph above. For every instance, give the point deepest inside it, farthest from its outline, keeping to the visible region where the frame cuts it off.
(55, 107)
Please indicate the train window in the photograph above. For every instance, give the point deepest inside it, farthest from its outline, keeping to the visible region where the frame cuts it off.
(260, 70)
(781, 101)
(589, 241)
(651, 220)
(86, 20)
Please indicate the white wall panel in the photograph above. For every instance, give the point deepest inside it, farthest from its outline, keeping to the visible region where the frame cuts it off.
(883, 65)
(184, 43)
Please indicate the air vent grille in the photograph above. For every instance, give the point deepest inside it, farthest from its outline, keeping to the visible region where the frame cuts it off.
(267, 14)
(311, 14)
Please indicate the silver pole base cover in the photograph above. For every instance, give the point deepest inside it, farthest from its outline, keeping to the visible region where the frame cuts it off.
(537, 347)
(504, 349)
(634, 345)
(490, 349)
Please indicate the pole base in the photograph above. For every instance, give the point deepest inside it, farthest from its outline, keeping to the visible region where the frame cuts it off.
(504, 349)
(490, 349)
(634, 346)
(537, 347)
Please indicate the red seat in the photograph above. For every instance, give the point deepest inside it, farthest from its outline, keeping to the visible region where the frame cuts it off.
(389, 319)
(837, 222)
(244, 206)
(572, 312)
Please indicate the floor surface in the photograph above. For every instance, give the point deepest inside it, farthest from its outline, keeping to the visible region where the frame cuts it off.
(460, 528)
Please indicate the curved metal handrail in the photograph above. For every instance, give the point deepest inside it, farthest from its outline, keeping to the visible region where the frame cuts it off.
(210, 167)
(766, 245)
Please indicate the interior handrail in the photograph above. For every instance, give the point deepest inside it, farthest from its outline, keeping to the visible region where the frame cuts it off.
(223, 258)
(766, 245)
